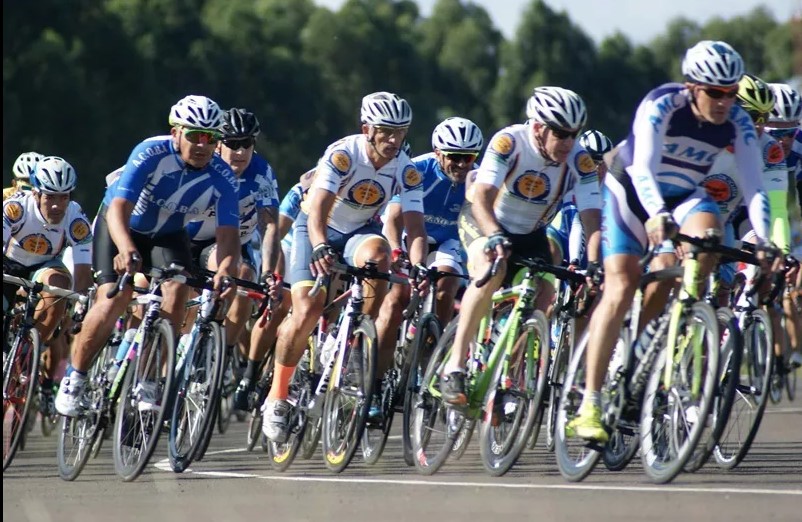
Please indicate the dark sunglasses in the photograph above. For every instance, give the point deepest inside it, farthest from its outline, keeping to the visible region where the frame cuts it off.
(717, 94)
(201, 136)
(239, 143)
(461, 157)
(562, 134)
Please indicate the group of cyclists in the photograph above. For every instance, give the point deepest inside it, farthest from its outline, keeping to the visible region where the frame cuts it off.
(721, 151)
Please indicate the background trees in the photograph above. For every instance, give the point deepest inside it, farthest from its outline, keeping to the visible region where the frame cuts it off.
(89, 79)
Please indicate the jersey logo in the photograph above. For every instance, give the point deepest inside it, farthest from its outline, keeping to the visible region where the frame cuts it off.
(13, 211)
(37, 244)
(341, 161)
(366, 193)
(721, 188)
(412, 177)
(585, 164)
(503, 144)
(79, 230)
(532, 185)
(773, 153)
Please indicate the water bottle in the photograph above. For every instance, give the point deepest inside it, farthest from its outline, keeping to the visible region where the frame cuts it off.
(181, 349)
(495, 333)
(411, 331)
(328, 349)
(122, 351)
(645, 339)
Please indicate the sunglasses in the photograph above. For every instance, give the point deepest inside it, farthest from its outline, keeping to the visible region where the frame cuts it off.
(461, 157)
(562, 134)
(782, 133)
(758, 117)
(201, 136)
(391, 131)
(239, 143)
(717, 94)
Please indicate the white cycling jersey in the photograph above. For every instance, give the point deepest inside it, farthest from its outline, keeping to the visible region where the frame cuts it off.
(532, 188)
(30, 240)
(362, 191)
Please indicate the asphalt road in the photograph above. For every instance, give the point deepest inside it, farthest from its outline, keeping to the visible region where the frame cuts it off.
(231, 484)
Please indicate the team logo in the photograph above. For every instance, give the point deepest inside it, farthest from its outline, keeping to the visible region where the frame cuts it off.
(79, 230)
(37, 244)
(503, 144)
(532, 185)
(340, 160)
(412, 177)
(721, 188)
(366, 193)
(13, 211)
(585, 164)
(773, 153)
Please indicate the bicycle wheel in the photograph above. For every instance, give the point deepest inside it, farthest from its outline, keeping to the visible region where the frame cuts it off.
(283, 454)
(751, 394)
(137, 427)
(556, 377)
(20, 376)
(674, 417)
(78, 435)
(434, 426)
(196, 392)
(575, 457)
(348, 398)
(226, 400)
(624, 440)
(426, 338)
(731, 351)
(514, 397)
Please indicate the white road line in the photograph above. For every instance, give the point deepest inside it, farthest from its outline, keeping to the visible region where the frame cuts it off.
(164, 465)
(783, 410)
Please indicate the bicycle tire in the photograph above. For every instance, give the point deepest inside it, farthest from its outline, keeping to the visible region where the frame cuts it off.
(283, 454)
(758, 360)
(363, 343)
(556, 377)
(427, 335)
(19, 389)
(498, 456)
(226, 401)
(664, 457)
(624, 440)
(162, 342)
(575, 458)
(731, 349)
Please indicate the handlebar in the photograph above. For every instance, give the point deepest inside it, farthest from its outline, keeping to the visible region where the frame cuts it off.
(369, 271)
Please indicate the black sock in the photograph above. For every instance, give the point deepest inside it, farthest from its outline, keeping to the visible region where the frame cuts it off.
(250, 370)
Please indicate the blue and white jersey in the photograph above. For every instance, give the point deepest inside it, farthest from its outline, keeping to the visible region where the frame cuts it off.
(168, 193)
(257, 189)
(442, 199)
(670, 151)
(291, 207)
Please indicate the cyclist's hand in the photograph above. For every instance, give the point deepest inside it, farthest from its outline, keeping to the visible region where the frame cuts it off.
(400, 260)
(769, 256)
(660, 228)
(272, 283)
(418, 279)
(793, 270)
(594, 276)
(323, 257)
(498, 245)
(128, 261)
(225, 285)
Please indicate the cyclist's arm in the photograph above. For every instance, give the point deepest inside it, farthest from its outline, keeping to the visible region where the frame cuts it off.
(484, 197)
(649, 127)
(416, 234)
(749, 164)
(394, 224)
(320, 204)
(118, 218)
(591, 223)
(83, 277)
(268, 216)
(228, 248)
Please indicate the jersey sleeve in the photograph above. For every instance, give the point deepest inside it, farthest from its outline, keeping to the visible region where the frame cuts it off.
(411, 183)
(498, 159)
(136, 172)
(291, 204)
(648, 134)
(587, 194)
(227, 203)
(749, 165)
(13, 219)
(266, 187)
(79, 235)
(334, 169)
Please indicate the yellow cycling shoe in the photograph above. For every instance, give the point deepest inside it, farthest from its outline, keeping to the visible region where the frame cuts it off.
(587, 425)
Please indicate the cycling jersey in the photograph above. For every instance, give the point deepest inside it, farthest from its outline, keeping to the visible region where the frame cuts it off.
(29, 239)
(531, 188)
(168, 193)
(670, 151)
(567, 232)
(361, 191)
(794, 161)
(257, 189)
(291, 207)
(10, 191)
(723, 184)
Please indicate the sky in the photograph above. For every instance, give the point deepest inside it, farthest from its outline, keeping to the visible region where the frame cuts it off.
(639, 20)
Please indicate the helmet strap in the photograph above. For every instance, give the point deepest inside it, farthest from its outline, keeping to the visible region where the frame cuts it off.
(541, 148)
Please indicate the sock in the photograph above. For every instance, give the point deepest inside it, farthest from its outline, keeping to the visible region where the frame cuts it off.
(451, 368)
(250, 370)
(74, 372)
(591, 398)
(281, 382)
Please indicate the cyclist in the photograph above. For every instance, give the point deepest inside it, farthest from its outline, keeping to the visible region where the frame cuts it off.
(23, 169)
(37, 227)
(355, 179)
(166, 182)
(519, 187)
(653, 183)
(258, 211)
(456, 144)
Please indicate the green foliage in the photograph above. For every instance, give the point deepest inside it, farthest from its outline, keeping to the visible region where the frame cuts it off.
(89, 79)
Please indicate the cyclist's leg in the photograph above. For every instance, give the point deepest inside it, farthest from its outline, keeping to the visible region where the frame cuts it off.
(696, 215)
(51, 309)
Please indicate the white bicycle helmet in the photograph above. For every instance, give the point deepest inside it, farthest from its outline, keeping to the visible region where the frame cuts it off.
(557, 107)
(596, 143)
(385, 109)
(457, 134)
(787, 104)
(54, 175)
(713, 63)
(197, 112)
(25, 165)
